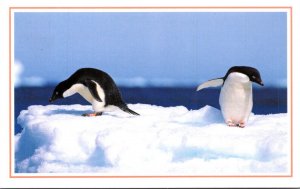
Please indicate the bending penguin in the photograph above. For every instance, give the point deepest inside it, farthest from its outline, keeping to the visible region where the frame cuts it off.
(236, 93)
(95, 86)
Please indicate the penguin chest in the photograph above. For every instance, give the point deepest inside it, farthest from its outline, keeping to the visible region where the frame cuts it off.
(236, 98)
(86, 94)
(97, 105)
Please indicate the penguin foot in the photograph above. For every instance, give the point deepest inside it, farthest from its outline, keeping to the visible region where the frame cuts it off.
(92, 114)
(233, 124)
(230, 123)
(241, 124)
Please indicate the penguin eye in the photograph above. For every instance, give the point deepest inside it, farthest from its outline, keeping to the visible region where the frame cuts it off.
(253, 77)
(56, 93)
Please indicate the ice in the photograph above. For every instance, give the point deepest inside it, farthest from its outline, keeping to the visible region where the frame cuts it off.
(161, 141)
(18, 69)
(21, 80)
(156, 82)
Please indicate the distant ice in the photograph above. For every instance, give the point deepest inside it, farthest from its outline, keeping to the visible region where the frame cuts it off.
(162, 141)
(20, 80)
(281, 83)
(138, 81)
(182, 82)
(155, 82)
(18, 69)
(33, 81)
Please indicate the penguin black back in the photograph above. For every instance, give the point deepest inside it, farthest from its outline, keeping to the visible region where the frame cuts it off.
(91, 79)
(112, 93)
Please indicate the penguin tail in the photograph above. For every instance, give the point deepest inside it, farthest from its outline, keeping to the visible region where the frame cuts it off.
(125, 108)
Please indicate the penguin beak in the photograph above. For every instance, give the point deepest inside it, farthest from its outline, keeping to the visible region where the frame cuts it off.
(260, 83)
(53, 98)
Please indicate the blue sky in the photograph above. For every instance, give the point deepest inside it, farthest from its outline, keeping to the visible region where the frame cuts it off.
(155, 46)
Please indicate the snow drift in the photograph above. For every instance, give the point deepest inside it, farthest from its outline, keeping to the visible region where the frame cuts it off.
(162, 141)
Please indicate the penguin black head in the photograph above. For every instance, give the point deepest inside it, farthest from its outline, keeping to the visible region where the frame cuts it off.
(58, 92)
(252, 73)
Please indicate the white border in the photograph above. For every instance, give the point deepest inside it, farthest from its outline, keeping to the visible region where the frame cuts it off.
(5, 181)
(100, 10)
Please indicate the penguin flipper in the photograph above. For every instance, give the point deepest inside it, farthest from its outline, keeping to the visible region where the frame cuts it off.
(211, 83)
(92, 86)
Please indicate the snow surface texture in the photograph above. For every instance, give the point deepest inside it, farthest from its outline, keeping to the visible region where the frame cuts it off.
(162, 141)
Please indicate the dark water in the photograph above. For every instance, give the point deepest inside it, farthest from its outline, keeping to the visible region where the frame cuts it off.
(266, 100)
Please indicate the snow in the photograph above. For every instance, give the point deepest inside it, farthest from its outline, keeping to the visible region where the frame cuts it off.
(162, 141)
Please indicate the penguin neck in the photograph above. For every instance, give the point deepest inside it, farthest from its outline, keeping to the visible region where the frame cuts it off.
(238, 81)
(238, 78)
(67, 84)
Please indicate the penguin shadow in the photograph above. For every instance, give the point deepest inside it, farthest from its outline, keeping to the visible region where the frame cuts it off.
(117, 114)
(203, 117)
(67, 112)
(81, 112)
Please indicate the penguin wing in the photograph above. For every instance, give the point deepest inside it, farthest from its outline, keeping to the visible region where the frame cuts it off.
(92, 86)
(211, 83)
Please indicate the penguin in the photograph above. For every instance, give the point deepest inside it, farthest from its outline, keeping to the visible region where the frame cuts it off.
(95, 86)
(235, 98)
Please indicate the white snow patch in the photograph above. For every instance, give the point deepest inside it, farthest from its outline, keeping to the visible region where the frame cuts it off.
(162, 141)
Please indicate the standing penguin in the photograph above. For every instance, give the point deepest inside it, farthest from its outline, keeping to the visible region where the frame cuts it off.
(236, 93)
(95, 86)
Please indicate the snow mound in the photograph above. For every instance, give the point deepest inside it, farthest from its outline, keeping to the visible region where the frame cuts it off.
(162, 141)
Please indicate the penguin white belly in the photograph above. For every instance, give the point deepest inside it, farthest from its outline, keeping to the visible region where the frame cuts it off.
(236, 99)
(85, 93)
(97, 106)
